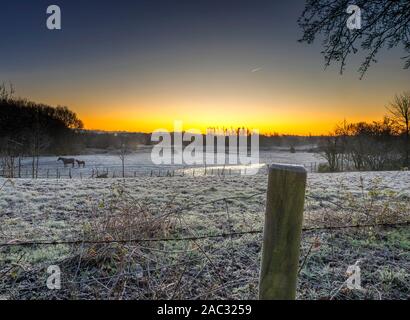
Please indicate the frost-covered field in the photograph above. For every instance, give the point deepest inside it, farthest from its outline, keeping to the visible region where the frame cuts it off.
(41, 201)
(50, 209)
(140, 163)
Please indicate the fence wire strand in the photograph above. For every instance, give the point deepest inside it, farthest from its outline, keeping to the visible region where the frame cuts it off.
(184, 275)
(189, 207)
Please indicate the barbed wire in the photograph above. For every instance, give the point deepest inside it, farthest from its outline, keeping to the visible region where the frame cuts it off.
(200, 237)
(189, 207)
(182, 280)
(80, 241)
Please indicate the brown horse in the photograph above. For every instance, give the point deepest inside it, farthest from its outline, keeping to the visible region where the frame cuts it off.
(80, 163)
(67, 161)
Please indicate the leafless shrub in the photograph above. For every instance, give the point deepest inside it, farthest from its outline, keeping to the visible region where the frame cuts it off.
(109, 259)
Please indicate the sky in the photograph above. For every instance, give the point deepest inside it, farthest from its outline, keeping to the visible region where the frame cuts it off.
(140, 65)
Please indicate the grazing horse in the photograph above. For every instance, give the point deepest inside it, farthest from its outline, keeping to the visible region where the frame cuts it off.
(67, 161)
(80, 163)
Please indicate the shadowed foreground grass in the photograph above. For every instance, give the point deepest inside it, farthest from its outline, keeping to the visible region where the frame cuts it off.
(217, 268)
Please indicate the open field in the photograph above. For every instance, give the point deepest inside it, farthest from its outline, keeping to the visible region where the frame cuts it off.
(214, 267)
(139, 164)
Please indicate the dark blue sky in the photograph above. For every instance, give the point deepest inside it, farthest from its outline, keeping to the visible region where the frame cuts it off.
(104, 29)
(139, 64)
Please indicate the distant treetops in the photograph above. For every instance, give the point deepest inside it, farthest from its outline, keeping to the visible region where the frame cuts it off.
(24, 124)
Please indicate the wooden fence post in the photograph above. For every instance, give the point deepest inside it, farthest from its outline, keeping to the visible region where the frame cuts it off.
(282, 232)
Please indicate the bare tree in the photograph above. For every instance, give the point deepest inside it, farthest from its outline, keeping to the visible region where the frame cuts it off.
(6, 93)
(386, 23)
(123, 153)
(68, 117)
(124, 150)
(330, 148)
(37, 140)
(400, 110)
(8, 155)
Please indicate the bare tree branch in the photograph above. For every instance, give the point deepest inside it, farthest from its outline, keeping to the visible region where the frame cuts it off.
(386, 23)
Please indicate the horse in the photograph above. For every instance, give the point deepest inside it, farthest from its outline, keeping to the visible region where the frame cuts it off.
(67, 161)
(80, 163)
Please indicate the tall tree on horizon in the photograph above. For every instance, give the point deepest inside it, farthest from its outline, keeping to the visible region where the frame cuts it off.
(400, 110)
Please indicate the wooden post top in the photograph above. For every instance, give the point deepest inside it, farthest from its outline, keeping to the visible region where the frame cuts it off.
(287, 167)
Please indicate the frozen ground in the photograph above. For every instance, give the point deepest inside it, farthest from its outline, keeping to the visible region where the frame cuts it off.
(140, 164)
(50, 209)
(42, 208)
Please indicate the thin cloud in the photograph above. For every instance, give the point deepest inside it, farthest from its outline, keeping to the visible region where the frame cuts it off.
(256, 70)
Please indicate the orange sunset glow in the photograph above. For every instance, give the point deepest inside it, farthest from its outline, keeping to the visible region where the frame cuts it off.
(246, 69)
(283, 102)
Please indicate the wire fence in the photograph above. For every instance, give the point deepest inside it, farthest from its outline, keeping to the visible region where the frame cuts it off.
(117, 172)
(15, 243)
(120, 265)
(130, 171)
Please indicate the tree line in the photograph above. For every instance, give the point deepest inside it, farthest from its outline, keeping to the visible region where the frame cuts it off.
(30, 129)
(380, 145)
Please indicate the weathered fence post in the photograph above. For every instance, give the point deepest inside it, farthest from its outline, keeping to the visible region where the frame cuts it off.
(282, 232)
